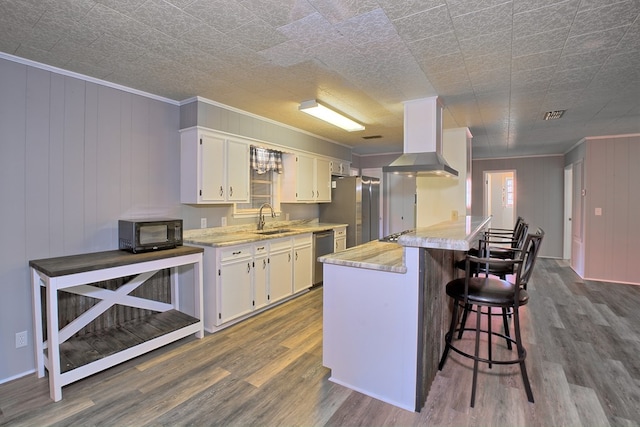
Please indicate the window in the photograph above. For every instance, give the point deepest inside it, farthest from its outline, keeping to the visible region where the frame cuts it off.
(265, 167)
(507, 193)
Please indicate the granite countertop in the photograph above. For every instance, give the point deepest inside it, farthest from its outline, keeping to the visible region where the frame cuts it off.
(459, 235)
(240, 234)
(374, 255)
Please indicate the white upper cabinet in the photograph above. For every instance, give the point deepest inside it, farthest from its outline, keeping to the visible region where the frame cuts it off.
(213, 168)
(306, 179)
(340, 168)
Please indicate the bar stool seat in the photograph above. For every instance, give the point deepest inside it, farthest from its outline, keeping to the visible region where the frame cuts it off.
(488, 292)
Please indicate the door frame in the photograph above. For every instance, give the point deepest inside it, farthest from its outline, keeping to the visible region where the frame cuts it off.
(486, 202)
(568, 212)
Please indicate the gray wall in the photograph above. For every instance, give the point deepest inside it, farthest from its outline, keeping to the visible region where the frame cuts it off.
(212, 116)
(74, 157)
(612, 180)
(539, 197)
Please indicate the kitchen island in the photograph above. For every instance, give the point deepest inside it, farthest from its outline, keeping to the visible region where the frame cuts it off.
(385, 310)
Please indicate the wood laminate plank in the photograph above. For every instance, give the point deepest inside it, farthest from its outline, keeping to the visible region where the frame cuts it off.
(583, 373)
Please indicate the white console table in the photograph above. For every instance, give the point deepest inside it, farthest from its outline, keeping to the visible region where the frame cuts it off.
(76, 274)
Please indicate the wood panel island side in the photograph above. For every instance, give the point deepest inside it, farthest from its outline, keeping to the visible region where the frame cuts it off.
(385, 310)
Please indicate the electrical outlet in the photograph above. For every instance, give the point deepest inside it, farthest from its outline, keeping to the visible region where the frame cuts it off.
(21, 339)
(203, 222)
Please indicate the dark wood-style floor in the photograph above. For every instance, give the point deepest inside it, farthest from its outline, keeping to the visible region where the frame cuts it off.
(583, 342)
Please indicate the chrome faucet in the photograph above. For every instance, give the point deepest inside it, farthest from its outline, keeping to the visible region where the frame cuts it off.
(261, 216)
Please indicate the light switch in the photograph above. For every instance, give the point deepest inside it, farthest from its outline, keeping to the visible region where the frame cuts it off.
(598, 211)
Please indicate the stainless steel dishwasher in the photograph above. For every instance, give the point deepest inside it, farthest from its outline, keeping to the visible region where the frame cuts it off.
(322, 245)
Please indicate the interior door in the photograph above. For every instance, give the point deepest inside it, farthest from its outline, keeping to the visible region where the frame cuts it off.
(500, 198)
(568, 211)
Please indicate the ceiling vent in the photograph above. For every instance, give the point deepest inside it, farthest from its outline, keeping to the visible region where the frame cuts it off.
(553, 115)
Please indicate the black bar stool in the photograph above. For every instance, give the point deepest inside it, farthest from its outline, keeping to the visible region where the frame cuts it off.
(485, 291)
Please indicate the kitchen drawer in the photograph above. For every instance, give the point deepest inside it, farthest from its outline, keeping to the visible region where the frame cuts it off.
(340, 232)
(302, 239)
(235, 252)
(260, 249)
(278, 245)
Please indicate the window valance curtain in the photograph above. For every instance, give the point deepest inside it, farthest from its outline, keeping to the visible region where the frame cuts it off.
(264, 160)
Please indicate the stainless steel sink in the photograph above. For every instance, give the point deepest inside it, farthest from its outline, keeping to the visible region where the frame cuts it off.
(275, 231)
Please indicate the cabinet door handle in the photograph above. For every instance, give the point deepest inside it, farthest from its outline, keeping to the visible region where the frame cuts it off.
(264, 264)
(289, 257)
(230, 191)
(248, 267)
(296, 255)
(221, 191)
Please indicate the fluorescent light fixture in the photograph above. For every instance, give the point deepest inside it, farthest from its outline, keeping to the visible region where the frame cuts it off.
(323, 113)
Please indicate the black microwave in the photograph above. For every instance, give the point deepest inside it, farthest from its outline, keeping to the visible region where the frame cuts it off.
(144, 235)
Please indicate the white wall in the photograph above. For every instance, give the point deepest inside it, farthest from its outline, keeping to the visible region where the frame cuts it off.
(441, 199)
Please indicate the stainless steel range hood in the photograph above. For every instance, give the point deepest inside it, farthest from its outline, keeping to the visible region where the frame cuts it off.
(422, 141)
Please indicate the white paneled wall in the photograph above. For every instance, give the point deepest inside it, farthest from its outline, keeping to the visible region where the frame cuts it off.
(74, 157)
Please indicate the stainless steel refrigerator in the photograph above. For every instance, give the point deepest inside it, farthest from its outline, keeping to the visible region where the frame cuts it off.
(355, 201)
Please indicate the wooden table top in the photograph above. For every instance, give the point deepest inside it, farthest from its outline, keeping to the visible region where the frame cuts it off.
(65, 265)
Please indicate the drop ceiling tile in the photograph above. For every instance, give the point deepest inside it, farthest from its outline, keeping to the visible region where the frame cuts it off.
(22, 14)
(484, 21)
(605, 17)
(286, 54)
(278, 12)
(554, 17)
(312, 30)
(424, 24)
(520, 6)
(533, 75)
(486, 44)
(208, 39)
(105, 19)
(538, 60)
(367, 28)
(336, 12)
(223, 15)
(500, 60)
(631, 39)
(447, 85)
(43, 56)
(538, 43)
(99, 72)
(463, 7)
(591, 58)
(165, 17)
(438, 45)
(608, 39)
(397, 9)
(257, 35)
(444, 64)
(125, 7)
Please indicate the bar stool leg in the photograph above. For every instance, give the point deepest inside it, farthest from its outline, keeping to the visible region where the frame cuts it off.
(448, 337)
(506, 327)
(475, 359)
(463, 322)
(521, 354)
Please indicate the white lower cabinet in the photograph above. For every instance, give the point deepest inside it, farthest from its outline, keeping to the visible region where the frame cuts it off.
(339, 239)
(261, 276)
(235, 290)
(302, 262)
(280, 269)
(244, 279)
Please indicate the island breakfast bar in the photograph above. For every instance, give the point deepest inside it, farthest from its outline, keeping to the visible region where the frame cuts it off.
(385, 312)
